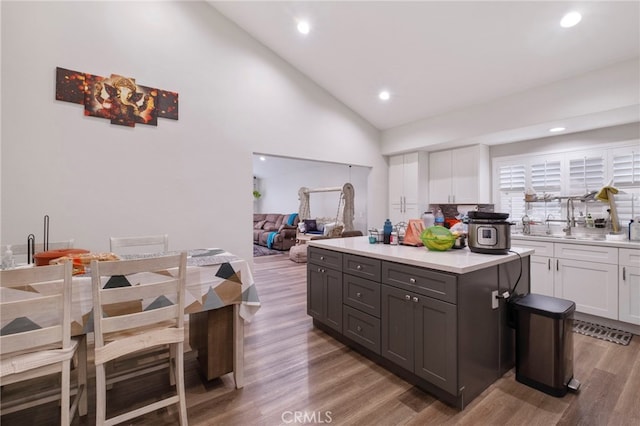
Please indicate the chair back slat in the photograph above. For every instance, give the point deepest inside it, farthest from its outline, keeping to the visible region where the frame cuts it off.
(32, 339)
(142, 291)
(140, 319)
(18, 308)
(160, 242)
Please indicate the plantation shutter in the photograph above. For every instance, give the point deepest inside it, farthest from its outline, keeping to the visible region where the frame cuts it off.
(626, 169)
(586, 174)
(546, 177)
(512, 183)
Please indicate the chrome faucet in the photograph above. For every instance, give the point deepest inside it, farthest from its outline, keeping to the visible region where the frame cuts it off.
(571, 219)
(548, 230)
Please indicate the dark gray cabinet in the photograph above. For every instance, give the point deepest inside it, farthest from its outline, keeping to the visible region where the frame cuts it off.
(324, 291)
(439, 330)
(420, 335)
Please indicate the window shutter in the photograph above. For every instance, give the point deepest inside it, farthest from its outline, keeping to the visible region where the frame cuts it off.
(512, 178)
(626, 169)
(546, 177)
(586, 175)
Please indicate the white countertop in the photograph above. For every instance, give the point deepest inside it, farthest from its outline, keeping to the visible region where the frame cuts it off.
(589, 242)
(458, 261)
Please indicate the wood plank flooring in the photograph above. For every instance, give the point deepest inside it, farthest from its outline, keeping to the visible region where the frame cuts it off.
(296, 374)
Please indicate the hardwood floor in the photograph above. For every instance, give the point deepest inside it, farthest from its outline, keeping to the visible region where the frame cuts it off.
(296, 374)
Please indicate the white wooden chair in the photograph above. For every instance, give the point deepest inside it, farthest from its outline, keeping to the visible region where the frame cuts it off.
(35, 307)
(126, 331)
(149, 244)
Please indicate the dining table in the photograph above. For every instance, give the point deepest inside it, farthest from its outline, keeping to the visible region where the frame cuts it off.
(220, 294)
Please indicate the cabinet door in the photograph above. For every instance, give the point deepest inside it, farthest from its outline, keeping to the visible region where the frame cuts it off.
(542, 274)
(470, 173)
(397, 327)
(436, 342)
(410, 178)
(324, 295)
(396, 181)
(592, 286)
(629, 294)
(333, 299)
(315, 292)
(440, 177)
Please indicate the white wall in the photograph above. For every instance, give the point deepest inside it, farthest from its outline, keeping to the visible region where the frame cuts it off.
(191, 178)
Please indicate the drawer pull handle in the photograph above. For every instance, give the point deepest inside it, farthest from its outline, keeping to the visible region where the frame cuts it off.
(358, 267)
(359, 329)
(415, 299)
(412, 280)
(407, 297)
(549, 264)
(321, 257)
(358, 294)
(624, 273)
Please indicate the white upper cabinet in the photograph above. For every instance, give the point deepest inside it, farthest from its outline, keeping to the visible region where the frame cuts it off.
(407, 186)
(460, 176)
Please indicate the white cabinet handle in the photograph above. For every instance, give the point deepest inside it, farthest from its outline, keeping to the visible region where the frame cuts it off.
(415, 299)
(412, 280)
(358, 295)
(407, 297)
(359, 329)
(321, 257)
(358, 267)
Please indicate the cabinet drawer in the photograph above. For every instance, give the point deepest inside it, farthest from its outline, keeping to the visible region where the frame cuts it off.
(585, 252)
(328, 258)
(541, 248)
(426, 282)
(361, 328)
(364, 267)
(361, 294)
(629, 257)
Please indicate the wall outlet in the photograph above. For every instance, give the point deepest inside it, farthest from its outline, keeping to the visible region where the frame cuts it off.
(495, 303)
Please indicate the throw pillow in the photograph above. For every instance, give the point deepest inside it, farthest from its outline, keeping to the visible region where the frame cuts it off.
(301, 227)
(310, 225)
(259, 224)
(328, 228)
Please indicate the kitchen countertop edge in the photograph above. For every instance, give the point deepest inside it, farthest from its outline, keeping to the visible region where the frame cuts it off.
(457, 261)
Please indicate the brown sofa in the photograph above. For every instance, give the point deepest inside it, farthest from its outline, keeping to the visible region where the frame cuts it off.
(266, 223)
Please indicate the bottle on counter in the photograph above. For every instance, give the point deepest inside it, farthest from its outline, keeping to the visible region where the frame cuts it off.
(7, 259)
(439, 218)
(581, 221)
(428, 219)
(387, 229)
(589, 221)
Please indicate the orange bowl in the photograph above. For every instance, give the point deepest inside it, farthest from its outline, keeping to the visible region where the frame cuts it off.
(44, 257)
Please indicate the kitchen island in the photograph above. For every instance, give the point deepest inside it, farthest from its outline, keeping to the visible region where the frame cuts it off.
(432, 318)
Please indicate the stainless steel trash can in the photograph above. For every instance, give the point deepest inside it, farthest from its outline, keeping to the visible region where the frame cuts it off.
(544, 343)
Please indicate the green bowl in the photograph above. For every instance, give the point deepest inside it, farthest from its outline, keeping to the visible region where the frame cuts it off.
(437, 238)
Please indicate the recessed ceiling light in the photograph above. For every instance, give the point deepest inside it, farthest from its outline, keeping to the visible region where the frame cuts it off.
(384, 95)
(570, 19)
(263, 159)
(303, 27)
(556, 129)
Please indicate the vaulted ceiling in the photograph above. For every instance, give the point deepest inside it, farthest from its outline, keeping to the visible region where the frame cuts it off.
(436, 57)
